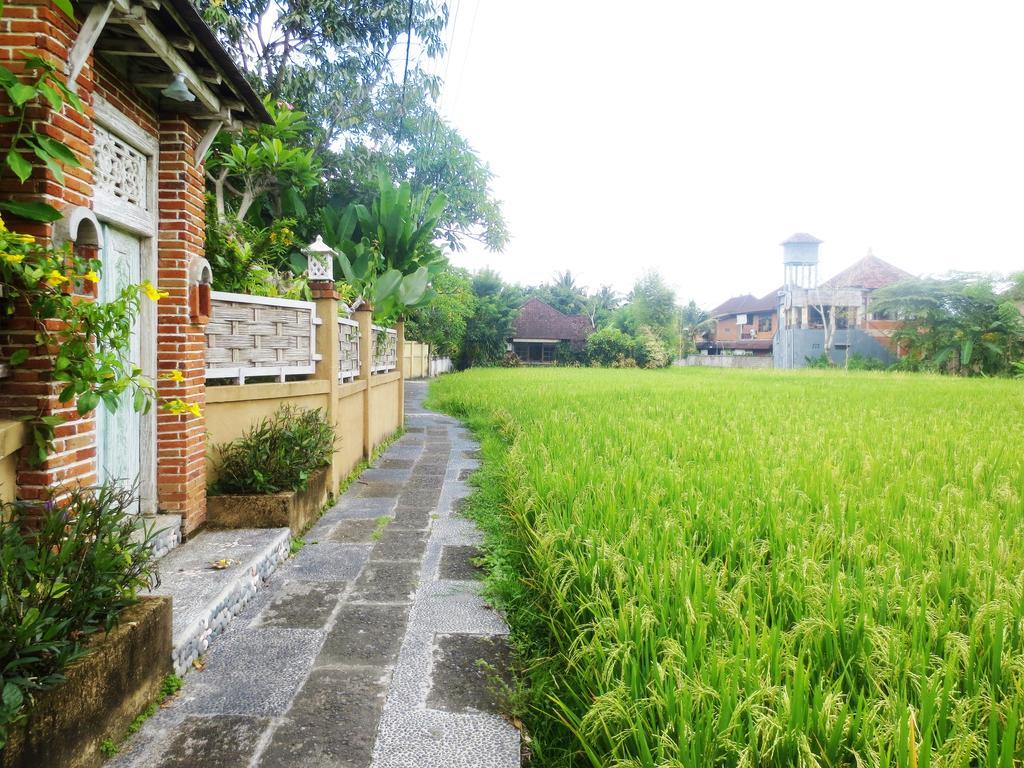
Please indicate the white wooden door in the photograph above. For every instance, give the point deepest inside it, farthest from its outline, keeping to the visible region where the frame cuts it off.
(118, 434)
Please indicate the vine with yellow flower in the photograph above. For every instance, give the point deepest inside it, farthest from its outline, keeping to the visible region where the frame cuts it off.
(86, 339)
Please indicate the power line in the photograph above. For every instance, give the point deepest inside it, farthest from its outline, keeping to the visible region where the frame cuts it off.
(465, 57)
(405, 72)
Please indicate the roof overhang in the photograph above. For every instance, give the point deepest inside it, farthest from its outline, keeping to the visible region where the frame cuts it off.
(151, 41)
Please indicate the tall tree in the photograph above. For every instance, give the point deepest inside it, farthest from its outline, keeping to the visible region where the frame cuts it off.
(334, 60)
(956, 324)
(651, 303)
(693, 322)
(442, 322)
(602, 305)
(490, 326)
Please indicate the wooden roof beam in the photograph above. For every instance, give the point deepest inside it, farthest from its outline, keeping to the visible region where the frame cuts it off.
(159, 43)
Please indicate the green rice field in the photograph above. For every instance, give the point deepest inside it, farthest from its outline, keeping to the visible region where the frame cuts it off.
(756, 568)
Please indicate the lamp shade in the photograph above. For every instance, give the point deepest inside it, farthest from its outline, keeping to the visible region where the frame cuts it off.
(178, 90)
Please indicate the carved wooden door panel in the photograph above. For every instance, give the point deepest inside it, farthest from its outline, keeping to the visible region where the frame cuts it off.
(119, 433)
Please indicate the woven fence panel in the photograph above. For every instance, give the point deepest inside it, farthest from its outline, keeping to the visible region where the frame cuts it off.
(243, 334)
(348, 353)
(385, 353)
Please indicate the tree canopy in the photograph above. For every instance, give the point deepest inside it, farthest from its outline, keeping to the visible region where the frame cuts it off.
(961, 323)
(333, 62)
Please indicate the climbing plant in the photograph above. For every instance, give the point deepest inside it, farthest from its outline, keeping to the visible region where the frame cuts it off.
(86, 340)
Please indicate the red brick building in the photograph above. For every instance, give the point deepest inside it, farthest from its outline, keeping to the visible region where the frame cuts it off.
(138, 199)
(744, 325)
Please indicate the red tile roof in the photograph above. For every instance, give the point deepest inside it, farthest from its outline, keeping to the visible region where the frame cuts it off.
(869, 273)
(538, 320)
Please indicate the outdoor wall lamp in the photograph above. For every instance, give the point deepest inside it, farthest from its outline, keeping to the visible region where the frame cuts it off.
(178, 90)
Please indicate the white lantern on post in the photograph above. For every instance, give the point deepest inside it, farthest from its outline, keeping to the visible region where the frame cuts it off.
(320, 258)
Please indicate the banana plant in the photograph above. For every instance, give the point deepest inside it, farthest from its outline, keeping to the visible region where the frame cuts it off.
(386, 251)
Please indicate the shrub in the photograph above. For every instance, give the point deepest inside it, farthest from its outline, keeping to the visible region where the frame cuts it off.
(862, 363)
(277, 454)
(62, 578)
(649, 350)
(606, 346)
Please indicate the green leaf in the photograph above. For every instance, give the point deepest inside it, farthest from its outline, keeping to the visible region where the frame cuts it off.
(65, 5)
(20, 93)
(52, 95)
(19, 356)
(386, 285)
(31, 211)
(59, 150)
(55, 169)
(12, 696)
(965, 352)
(7, 77)
(413, 287)
(87, 401)
(22, 168)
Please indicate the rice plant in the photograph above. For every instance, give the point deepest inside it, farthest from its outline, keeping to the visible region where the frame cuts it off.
(763, 568)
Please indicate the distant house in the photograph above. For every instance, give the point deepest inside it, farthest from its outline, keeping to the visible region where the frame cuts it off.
(744, 325)
(789, 324)
(540, 328)
(805, 306)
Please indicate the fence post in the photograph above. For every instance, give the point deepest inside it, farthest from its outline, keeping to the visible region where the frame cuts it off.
(400, 349)
(328, 367)
(364, 315)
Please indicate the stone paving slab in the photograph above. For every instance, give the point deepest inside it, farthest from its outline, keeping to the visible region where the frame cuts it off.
(252, 671)
(333, 721)
(362, 651)
(329, 561)
(365, 635)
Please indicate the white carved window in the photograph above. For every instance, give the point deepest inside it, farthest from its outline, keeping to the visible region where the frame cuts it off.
(120, 170)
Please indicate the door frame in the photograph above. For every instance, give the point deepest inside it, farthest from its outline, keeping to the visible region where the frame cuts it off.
(143, 222)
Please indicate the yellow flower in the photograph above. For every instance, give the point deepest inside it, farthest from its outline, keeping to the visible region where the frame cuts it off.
(174, 375)
(55, 278)
(91, 276)
(3, 227)
(179, 407)
(151, 291)
(14, 258)
(22, 238)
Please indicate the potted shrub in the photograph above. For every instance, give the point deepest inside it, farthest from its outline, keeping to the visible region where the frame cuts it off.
(80, 654)
(275, 475)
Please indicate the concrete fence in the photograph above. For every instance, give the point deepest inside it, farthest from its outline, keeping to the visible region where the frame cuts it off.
(360, 387)
(728, 361)
(420, 364)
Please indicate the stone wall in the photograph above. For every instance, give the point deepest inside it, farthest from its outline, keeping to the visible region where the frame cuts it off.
(728, 361)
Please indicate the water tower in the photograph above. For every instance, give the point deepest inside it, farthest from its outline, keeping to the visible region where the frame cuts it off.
(800, 260)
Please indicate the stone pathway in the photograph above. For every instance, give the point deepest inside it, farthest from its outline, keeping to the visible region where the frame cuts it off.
(363, 651)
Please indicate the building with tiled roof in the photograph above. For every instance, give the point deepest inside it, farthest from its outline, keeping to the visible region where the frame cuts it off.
(870, 273)
(539, 329)
(743, 325)
(805, 319)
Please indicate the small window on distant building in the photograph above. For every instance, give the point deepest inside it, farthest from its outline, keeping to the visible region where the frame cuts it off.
(548, 353)
(764, 323)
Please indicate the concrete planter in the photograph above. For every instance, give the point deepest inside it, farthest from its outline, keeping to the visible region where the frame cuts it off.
(292, 509)
(101, 696)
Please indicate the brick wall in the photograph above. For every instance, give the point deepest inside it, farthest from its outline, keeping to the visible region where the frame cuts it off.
(39, 26)
(181, 440)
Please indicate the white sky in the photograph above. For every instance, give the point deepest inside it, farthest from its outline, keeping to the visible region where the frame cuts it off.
(693, 137)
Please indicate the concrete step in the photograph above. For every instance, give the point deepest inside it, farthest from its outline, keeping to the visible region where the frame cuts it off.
(166, 533)
(207, 597)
